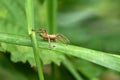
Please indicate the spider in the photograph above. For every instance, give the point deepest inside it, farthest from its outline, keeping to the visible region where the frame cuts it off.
(43, 33)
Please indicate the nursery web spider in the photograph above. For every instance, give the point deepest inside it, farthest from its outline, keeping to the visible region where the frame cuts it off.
(43, 33)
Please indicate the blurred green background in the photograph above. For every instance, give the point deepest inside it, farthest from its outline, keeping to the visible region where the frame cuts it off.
(93, 24)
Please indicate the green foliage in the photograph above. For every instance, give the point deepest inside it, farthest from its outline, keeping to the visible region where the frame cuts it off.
(91, 71)
(97, 57)
(24, 54)
(93, 24)
(13, 17)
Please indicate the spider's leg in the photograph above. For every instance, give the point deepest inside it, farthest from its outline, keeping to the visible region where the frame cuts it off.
(49, 41)
(62, 38)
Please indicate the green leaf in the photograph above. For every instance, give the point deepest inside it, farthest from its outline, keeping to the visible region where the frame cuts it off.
(101, 58)
(91, 71)
(98, 57)
(24, 54)
(13, 16)
(49, 56)
(72, 69)
(13, 20)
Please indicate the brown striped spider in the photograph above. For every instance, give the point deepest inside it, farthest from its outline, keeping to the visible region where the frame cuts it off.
(43, 33)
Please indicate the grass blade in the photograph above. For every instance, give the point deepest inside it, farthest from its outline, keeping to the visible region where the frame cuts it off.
(71, 68)
(101, 58)
(51, 15)
(30, 20)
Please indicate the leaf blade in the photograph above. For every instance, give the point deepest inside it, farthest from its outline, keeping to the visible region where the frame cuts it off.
(98, 57)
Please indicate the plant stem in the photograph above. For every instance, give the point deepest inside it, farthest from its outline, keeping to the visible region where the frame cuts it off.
(51, 20)
(30, 20)
(72, 70)
(51, 15)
